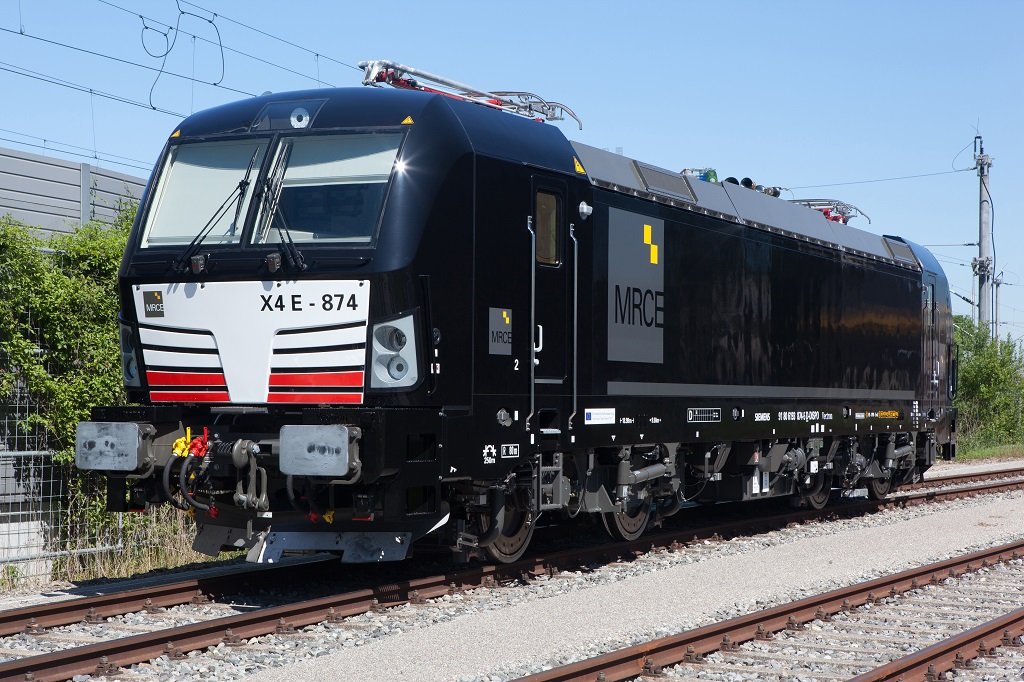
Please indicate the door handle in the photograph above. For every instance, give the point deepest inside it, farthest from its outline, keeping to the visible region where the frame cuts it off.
(539, 346)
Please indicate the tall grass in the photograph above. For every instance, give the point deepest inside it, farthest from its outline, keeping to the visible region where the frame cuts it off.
(160, 539)
(994, 452)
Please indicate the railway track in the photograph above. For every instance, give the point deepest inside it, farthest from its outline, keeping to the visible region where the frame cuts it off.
(958, 479)
(118, 644)
(846, 633)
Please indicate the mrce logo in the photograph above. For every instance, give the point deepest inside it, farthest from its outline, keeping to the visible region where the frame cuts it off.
(153, 303)
(636, 287)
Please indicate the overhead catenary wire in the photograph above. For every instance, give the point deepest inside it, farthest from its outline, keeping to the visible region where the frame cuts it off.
(127, 62)
(865, 182)
(100, 157)
(46, 140)
(54, 80)
(316, 54)
(170, 42)
(226, 47)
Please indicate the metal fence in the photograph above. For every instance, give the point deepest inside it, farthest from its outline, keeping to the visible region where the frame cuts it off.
(37, 529)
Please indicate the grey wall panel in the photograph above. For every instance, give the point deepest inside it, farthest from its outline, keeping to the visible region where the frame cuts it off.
(116, 183)
(35, 166)
(55, 195)
(39, 186)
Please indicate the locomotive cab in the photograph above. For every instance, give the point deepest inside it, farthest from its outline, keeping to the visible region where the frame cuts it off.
(276, 324)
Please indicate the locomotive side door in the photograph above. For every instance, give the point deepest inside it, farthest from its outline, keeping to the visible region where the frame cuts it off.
(552, 310)
(930, 353)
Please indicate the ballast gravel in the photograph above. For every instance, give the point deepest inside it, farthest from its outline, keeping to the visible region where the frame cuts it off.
(507, 632)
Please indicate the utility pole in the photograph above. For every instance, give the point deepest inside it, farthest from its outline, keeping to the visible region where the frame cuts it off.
(983, 265)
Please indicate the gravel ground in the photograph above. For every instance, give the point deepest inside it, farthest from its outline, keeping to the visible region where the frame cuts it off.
(586, 615)
(504, 633)
(854, 642)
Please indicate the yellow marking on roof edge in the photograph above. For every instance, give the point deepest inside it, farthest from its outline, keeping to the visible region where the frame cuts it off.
(407, 121)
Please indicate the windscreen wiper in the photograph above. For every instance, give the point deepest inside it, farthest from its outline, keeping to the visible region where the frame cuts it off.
(183, 262)
(274, 188)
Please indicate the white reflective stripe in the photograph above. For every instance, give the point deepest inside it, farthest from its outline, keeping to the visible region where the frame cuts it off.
(334, 337)
(160, 358)
(341, 358)
(163, 337)
(440, 523)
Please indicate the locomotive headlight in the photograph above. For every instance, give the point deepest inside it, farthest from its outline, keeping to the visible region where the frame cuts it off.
(391, 337)
(397, 367)
(393, 362)
(129, 365)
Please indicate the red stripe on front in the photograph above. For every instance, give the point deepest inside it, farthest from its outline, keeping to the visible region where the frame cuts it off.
(189, 396)
(323, 379)
(156, 378)
(355, 398)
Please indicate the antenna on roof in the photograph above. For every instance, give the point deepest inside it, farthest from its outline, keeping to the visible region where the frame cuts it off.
(523, 103)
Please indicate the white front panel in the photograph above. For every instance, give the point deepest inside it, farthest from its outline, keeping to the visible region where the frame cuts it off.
(158, 337)
(343, 358)
(244, 318)
(334, 337)
(161, 358)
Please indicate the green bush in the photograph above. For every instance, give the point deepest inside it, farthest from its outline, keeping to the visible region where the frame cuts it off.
(58, 336)
(991, 388)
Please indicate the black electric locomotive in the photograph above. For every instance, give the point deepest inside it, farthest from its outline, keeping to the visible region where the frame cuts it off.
(354, 318)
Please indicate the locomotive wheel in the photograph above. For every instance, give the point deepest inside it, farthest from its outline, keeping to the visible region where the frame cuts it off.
(629, 524)
(878, 488)
(515, 536)
(816, 497)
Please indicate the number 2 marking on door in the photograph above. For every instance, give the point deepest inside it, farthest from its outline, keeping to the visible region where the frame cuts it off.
(517, 364)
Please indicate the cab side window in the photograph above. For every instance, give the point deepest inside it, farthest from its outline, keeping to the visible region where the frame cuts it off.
(548, 226)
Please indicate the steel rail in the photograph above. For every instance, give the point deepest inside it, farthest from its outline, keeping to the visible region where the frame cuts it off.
(134, 649)
(198, 589)
(105, 657)
(68, 611)
(692, 645)
(956, 652)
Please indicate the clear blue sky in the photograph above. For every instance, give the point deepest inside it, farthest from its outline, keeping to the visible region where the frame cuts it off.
(788, 93)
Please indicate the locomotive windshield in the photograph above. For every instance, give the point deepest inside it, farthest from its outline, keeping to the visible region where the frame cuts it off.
(323, 188)
(197, 179)
(332, 188)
